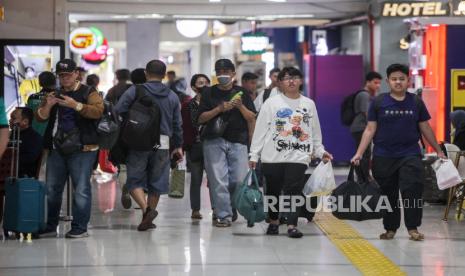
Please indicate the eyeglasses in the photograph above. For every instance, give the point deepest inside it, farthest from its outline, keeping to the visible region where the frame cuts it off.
(291, 78)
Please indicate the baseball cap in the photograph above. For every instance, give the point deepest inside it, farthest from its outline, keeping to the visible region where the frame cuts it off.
(224, 64)
(65, 66)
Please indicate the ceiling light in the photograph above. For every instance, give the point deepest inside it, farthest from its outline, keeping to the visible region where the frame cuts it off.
(151, 16)
(120, 16)
(208, 16)
(191, 28)
(278, 1)
(215, 1)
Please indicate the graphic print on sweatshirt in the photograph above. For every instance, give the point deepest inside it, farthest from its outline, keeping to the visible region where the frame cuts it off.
(289, 134)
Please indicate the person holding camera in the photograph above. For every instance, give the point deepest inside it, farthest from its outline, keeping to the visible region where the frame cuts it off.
(71, 137)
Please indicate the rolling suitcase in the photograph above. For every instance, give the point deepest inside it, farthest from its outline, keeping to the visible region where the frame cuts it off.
(25, 198)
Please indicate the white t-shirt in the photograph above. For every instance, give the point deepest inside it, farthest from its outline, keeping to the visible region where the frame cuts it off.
(287, 131)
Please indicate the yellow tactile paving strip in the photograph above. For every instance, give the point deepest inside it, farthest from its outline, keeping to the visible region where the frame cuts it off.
(362, 254)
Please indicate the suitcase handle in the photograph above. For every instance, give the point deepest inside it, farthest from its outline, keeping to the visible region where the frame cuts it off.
(16, 131)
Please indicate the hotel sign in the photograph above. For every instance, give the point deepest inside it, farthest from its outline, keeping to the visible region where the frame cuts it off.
(423, 9)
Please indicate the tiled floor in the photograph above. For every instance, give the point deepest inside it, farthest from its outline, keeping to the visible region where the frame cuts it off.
(180, 246)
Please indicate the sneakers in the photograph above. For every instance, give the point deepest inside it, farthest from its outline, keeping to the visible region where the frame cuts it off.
(273, 229)
(48, 232)
(76, 234)
(224, 222)
(294, 233)
(125, 198)
(147, 219)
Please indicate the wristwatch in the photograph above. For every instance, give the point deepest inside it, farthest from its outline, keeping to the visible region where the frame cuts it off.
(79, 107)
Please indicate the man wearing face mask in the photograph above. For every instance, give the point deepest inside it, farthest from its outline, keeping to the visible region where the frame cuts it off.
(30, 84)
(225, 147)
(47, 81)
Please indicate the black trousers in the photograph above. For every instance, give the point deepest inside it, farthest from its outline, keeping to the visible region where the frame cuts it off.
(365, 161)
(286, 179)
(405, 174)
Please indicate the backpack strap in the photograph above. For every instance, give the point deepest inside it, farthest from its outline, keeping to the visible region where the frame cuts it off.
(418, 101)
(266, 94)
(140, 91)
(87, 93)
(377, 102)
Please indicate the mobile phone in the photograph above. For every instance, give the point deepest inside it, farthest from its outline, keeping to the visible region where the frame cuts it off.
(58, 95)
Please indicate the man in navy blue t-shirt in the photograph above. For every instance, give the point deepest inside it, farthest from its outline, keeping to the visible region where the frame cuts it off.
(396, 122)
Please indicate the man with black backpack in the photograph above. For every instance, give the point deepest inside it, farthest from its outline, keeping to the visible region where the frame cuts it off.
(114, 93)
(360, 102)
(270, 91)
(152, 118)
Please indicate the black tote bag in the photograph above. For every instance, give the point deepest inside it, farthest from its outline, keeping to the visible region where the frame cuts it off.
(362, 188)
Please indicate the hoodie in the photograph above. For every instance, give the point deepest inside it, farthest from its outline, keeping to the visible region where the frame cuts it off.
(167, 100)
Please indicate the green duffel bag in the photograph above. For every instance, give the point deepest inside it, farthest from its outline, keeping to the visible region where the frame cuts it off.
(177, 180)
(248, 200)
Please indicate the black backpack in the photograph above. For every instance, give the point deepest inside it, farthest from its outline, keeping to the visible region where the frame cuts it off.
(141, 128)
(348, 109)
(108, 128)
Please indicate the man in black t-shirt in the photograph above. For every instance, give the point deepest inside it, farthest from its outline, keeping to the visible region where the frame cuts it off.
(225, 152)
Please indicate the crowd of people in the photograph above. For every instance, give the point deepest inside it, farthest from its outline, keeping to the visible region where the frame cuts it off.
(223, 130)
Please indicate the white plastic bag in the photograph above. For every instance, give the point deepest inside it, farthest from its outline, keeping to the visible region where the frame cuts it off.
(446, 174)
(321, 182)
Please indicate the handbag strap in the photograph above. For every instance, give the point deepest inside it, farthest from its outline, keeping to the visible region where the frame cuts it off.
(252, 174)
(255, 179)
(350, 177)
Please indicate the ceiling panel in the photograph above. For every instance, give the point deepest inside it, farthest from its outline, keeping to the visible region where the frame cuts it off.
(237, 9)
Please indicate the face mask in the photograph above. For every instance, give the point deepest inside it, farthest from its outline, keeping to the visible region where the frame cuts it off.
(30, 74)
(224, 79)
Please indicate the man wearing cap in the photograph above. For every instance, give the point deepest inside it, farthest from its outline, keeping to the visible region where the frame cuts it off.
(225, 147)
(72, 139)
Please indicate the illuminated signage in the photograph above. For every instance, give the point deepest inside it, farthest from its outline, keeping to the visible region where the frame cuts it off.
(82, 41)
(423, 9)
(254, 44)
(404, 44)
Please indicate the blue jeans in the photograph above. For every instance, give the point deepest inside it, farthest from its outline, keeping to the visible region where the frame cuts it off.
(226, 165)
(59, 168)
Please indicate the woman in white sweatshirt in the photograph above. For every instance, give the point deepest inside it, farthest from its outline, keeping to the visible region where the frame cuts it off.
(287, 135)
